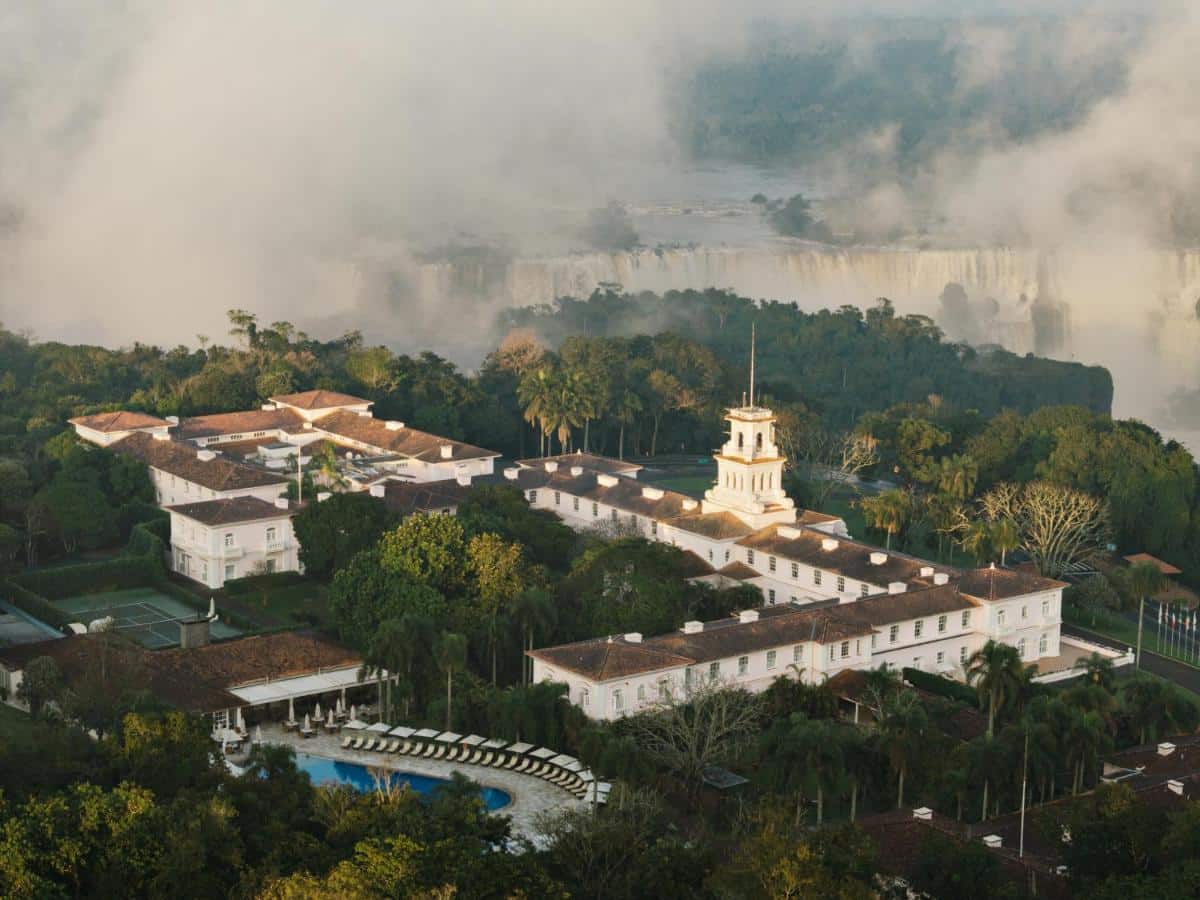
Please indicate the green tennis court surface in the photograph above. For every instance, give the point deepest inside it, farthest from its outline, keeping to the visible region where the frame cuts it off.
(148, 616)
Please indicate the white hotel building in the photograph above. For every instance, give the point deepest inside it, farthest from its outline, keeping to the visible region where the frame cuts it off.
(831, 603)
(223, 477)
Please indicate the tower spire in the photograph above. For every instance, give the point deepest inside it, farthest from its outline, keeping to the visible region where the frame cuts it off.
(752, 335)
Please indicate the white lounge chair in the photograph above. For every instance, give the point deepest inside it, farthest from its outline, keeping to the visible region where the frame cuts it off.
(512, 760)
(347, 741)
(430, 750)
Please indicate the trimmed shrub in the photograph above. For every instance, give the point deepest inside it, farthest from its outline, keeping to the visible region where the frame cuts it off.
(90, 578)
(943, 687)
(144, 542)
(38, 607)
(252, 584)
(137, 512)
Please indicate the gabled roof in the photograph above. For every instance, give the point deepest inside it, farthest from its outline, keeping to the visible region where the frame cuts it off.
(1001, 584)
(319, 400)
(849, 557)
(121, 420)
(403, 440)
(738, 570)
(595, 462)
(239, 423)
(407, 497)
(231, 510)
(183, 461)
(716, 525)
(602, 659)
(886, 609)
(1165, 567)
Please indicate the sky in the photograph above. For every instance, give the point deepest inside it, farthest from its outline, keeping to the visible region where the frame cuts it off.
(162, 162)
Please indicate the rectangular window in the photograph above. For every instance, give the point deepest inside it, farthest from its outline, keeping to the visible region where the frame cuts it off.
(533, 496)
(1024, 612)
(585, 698)
(941, 657)
(893, 634)
(966, 619)
(841, 584)
(654, 531)
(270, 566)
(271, 534)
(771, 596)
(918, 627)
(614, 515)
(874, 641)
(726, 556)
(750, 557)
(816, 576)
(229, 539)
(770, 659)
(1045, 608)
(796, 653)
(575, 503)
(230, 572)
(1021, 648)
(1000, 617)
(558, 498)
(863, 590)
(1043, 645)
(714, 671)
(771, 563)
(962, 653)
(595, 510)
(618, 700)
(832, 652)
(845, 649)
(795, 570)
(941, 624)
(641, 693)
(743, 664)
(710, 559)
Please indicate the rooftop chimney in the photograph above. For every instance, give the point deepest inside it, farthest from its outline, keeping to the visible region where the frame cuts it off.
(281, 502)
(268, 407)
(828, 544)
(787, 532)
(693, 627)
(447, 450)
(576, 471)
(993, 840)
(634, 637)
(393, 425)
(748, 615)
(897, 587)
(651, 493)
(689, 505)
(160, 436)
(323, 496)
(463, 480)
(511, 473)
(924, 813)
(365, 414)
(378, 490)
(551, 466)
(607, 480)
(193, 633)
(1166, 748)
(878, 558)
(307, 424)
(941, 578)
(1175, 786)
(926, 571)
(206, 455)
(172, 420)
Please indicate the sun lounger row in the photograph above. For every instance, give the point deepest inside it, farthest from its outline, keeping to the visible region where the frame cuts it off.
(579, 782)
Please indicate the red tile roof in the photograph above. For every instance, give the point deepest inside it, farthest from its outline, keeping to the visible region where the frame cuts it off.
(183, 460)
(403, 441)
(592, 461)
(231, 510)
(1165, 567)
(1000, 584)
(319, 400)
(244, 423)
(121, 420)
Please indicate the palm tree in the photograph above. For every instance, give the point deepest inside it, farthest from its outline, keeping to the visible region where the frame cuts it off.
(956, 476)
(450, 651)
(534, 609)
(1083, 741)
(1099, 670)
(977, 540)
(1154, 707)
(628, 405)
(887, 511)
(1142, 580)
(903, 734)
(1004, 536)
(998, 675)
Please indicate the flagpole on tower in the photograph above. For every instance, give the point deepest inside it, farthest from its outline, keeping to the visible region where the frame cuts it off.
(752, 341)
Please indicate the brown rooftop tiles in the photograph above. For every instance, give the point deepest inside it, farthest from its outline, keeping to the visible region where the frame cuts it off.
(243, 423)
(319, 400)
(230, 510)
(121, 420)
(403, 440)
(183, 460)
(1000, 584)
(595, 462)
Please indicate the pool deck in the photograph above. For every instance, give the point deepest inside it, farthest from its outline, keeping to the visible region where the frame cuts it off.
(531, 797)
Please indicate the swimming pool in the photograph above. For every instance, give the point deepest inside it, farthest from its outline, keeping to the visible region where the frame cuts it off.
(332, 771)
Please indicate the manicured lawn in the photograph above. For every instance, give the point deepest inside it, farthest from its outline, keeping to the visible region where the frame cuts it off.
(306, 603)
(14, 723)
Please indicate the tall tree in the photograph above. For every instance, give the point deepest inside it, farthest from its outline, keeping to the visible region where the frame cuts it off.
(996, 671)
(450, 651)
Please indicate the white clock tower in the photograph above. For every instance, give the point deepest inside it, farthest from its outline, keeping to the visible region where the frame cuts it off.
(750, 467)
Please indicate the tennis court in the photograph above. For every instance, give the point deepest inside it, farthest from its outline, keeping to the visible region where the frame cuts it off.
(145, 614)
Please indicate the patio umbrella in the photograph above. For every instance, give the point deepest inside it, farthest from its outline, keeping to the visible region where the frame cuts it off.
(307, 723)
(329, 720)
(212, 608)
(224, 744)
(340, 708)
(258, 734)
(241, 724)
(291, 709)
(353, 713)
(317, 712)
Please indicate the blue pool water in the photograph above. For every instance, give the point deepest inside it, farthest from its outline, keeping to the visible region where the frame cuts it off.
(331, 771)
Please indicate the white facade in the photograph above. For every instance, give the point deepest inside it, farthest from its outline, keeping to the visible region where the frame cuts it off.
(214, 554)
(173, 490)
